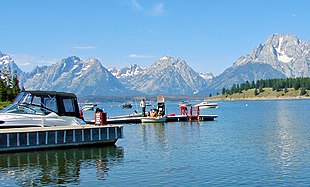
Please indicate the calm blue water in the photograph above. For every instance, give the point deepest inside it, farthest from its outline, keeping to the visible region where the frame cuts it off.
(252, 143)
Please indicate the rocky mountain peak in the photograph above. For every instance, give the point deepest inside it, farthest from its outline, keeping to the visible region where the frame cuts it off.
(166, 58)
(169, 76)
(278, 39)
(92, 60)
(280, 56)
(8, 63)
(284, 52)
(68, 64)
(169, 62)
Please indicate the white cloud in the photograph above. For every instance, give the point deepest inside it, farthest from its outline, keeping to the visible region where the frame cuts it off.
(84, 47)
(148, 9)
(140, 56)
(136, 4)
(158, 9)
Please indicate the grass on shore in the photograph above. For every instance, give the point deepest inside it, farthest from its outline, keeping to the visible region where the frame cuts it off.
(4, 104)
(267, 93)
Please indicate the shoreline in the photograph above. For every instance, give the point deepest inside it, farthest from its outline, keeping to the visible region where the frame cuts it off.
(256, 98)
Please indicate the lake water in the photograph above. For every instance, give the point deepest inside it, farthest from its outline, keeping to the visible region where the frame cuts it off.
(251, 143)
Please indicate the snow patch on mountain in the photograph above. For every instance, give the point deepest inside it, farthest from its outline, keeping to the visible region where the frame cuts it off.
(8, 64)
(129, 71)
(284, 52)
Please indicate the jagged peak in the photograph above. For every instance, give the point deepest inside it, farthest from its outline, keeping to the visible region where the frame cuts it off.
(72, 59)
(69, 61)
(93, 61)
(166, 58)
(277, 39)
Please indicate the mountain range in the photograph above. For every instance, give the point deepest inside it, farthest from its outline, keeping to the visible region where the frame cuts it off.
(75, 75)
(282, 55)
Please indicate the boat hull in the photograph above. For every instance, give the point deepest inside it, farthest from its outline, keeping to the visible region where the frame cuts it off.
(153, 119)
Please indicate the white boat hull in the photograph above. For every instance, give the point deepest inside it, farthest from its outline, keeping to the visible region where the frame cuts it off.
(10, 120)
(153, 119)
(204, 105)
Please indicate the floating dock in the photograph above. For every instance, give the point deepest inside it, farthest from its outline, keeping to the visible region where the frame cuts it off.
(18, 139)
(175, 118)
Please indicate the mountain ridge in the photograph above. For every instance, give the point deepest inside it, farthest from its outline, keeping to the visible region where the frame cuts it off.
(280, 56)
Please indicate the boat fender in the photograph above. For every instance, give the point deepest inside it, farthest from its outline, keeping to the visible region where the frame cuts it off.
(81, 115)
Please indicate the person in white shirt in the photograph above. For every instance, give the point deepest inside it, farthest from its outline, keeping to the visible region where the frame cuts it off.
(142, 105)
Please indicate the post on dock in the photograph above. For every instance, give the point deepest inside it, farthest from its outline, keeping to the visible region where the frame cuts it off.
(100, 117)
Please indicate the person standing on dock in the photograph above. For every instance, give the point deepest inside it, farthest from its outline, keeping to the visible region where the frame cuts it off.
(142, 105)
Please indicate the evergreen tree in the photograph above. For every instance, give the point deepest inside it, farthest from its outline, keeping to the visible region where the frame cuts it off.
(303, 91)
(255, 92)
(2, 91)
(223, 91)
(15, 87)
(285, 89)
(9, 85)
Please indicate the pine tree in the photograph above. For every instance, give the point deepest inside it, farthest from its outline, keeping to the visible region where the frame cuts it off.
(303, 91)
(15, 87)
(223, 91)
(2, 91)
(255, 92)
(285, 89)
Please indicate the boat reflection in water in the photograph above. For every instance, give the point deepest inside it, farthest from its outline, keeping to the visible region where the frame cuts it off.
(57, 166)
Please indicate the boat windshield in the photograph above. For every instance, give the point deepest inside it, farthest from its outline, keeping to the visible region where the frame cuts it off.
(27, 103)
(26, 109)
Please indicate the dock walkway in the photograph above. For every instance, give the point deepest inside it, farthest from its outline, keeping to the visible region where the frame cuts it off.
(17, 139)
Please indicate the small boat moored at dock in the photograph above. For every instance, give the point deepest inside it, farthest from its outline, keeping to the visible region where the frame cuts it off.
(41, 109)
(159, 119)
(89, 107)
(127, 105)
(43, 119)
(206, 104)
(184, 104)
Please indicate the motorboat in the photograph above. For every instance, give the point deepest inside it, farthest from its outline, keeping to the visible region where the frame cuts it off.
(184, 104)
(88, 107)
(159, 119)
(127, 105)
(206, 104)
(148, 103)
(41, 109)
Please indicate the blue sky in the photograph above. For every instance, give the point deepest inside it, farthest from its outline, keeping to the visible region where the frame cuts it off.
(208, 34)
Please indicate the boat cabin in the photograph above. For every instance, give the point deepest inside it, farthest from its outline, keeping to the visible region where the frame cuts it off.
(63, 104)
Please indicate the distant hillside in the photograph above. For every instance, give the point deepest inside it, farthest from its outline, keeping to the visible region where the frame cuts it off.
(266, 94)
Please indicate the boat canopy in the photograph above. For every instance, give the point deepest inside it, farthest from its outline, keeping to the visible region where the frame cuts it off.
(63, 104)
